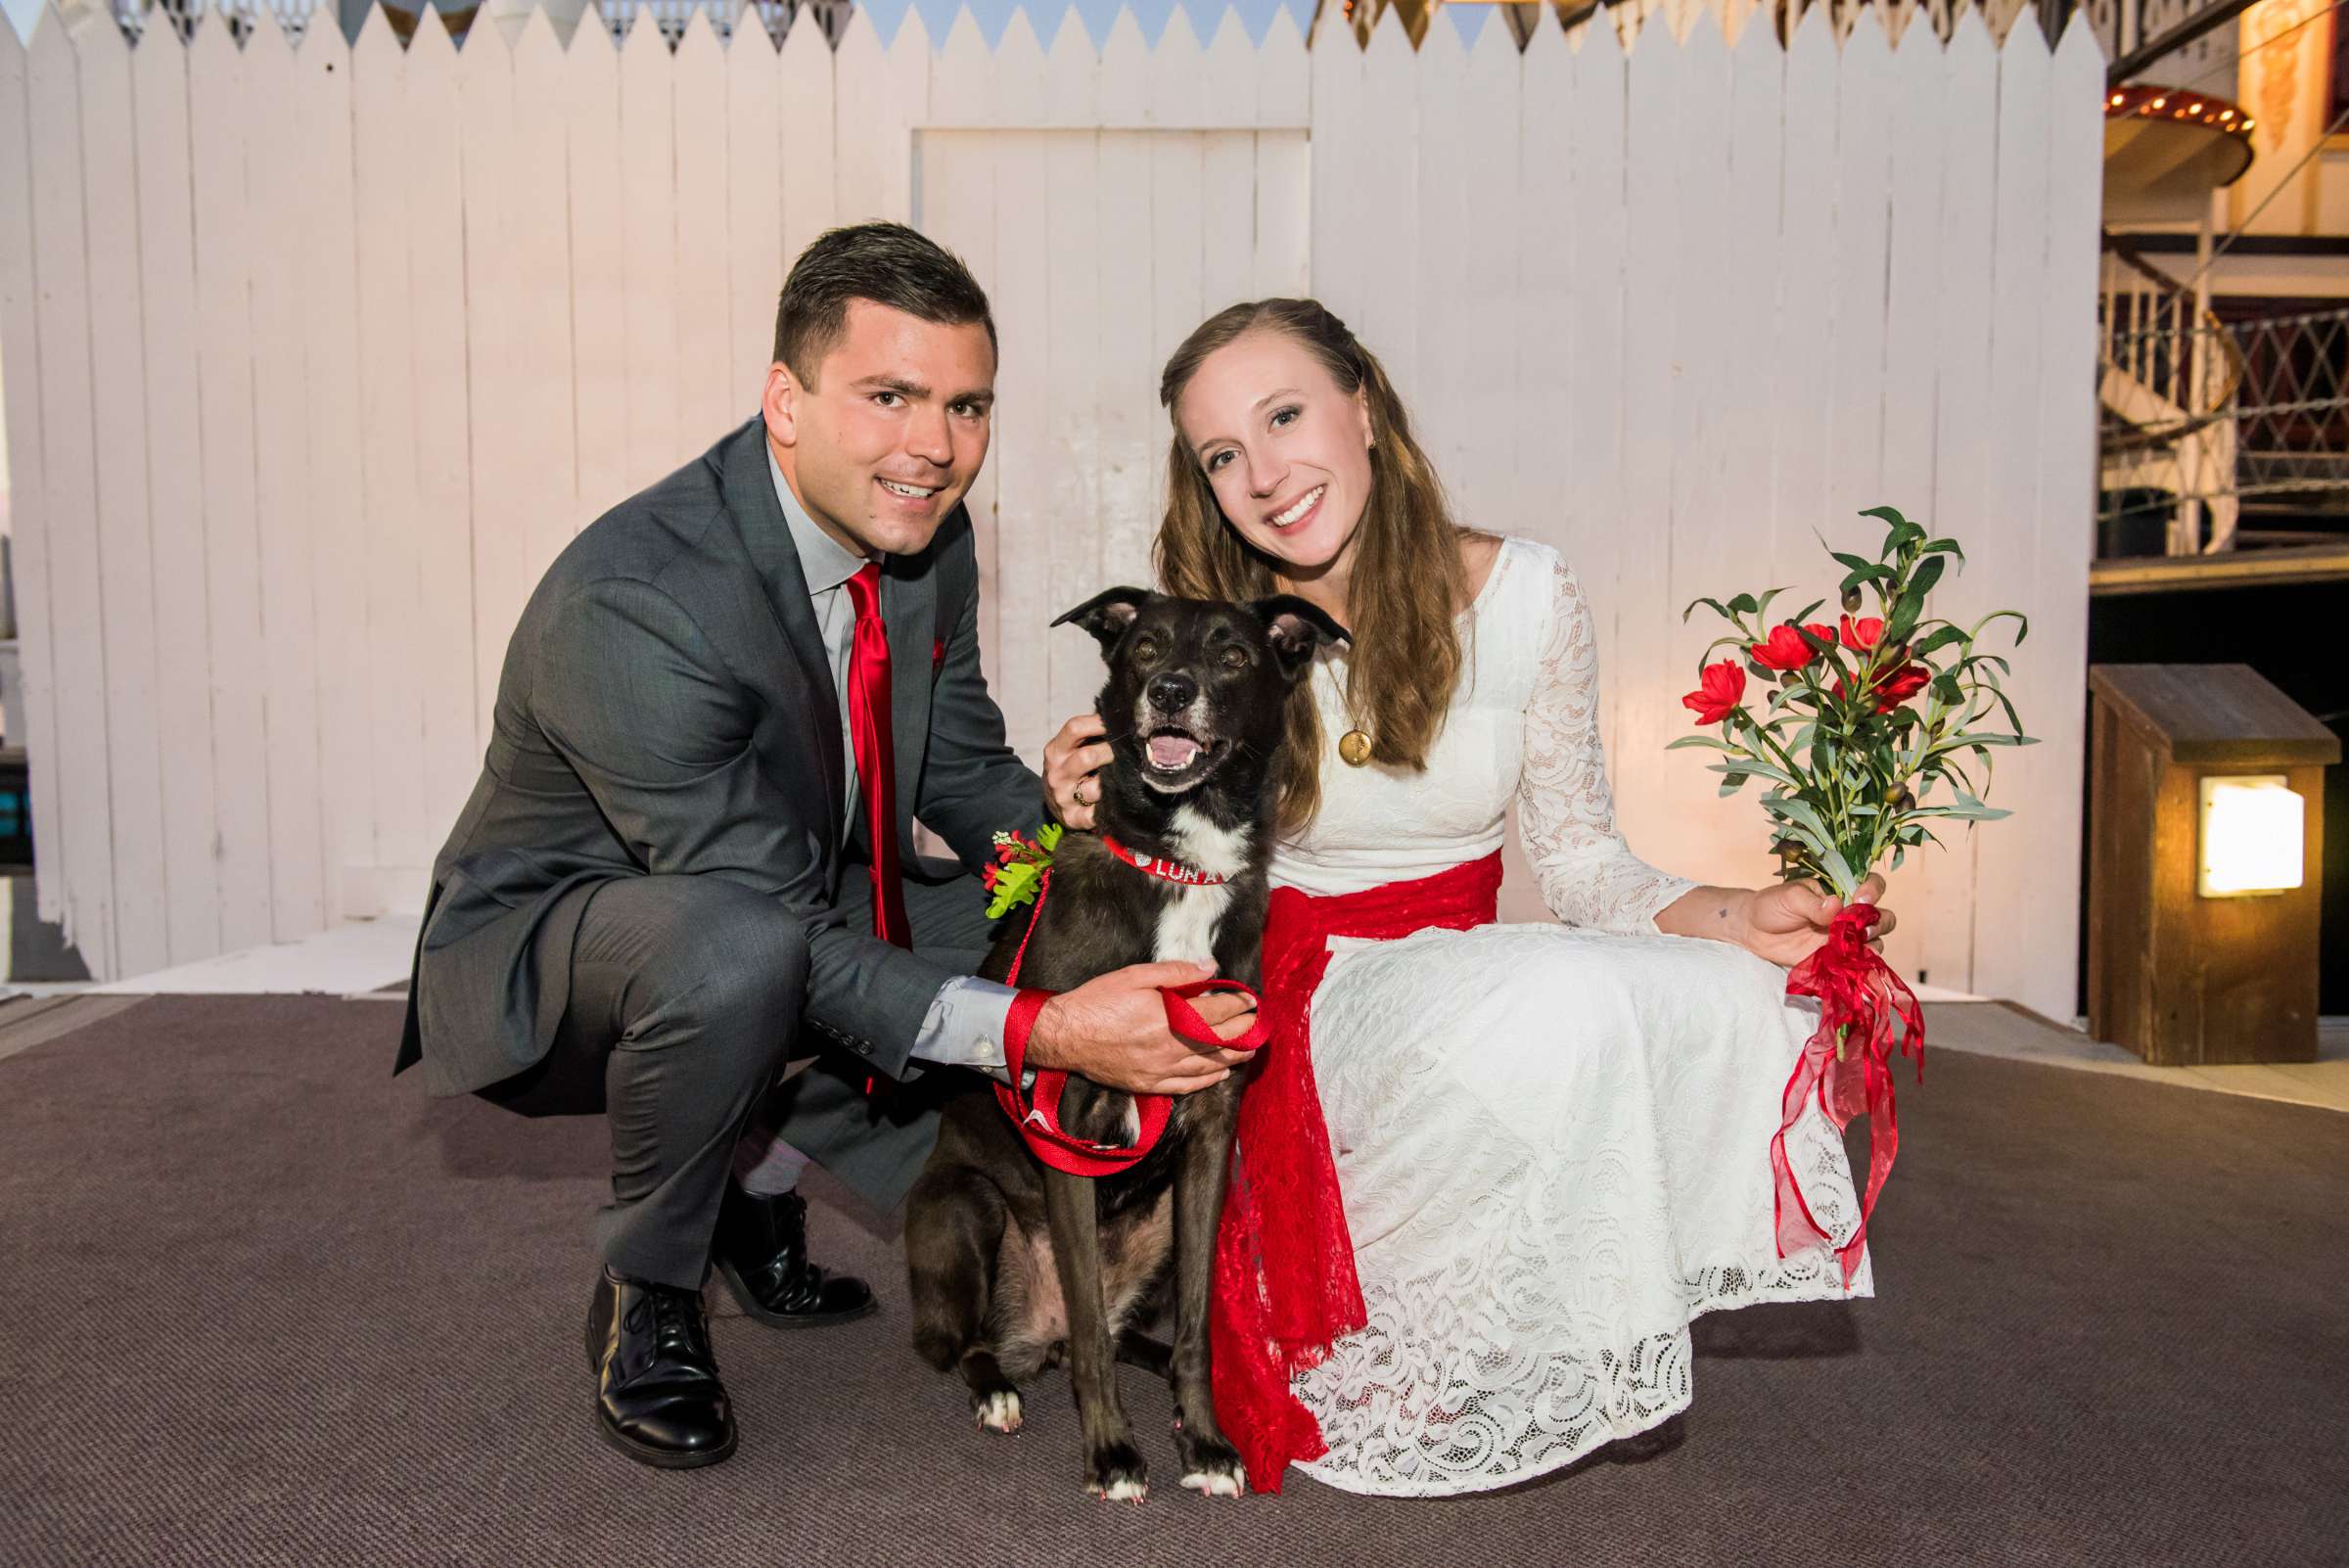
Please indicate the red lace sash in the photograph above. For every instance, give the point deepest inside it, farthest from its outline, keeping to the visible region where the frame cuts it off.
(1285, 1287)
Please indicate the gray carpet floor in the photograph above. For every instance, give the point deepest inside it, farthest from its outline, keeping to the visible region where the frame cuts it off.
(261, 1304)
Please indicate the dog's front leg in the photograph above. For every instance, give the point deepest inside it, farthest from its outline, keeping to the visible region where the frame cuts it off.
(1210, 1464)
(1113, 1465)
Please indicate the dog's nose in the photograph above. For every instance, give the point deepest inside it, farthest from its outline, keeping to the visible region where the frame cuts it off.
(1172, 693)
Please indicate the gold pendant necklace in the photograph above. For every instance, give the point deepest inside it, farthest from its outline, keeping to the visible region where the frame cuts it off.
(1353, 747)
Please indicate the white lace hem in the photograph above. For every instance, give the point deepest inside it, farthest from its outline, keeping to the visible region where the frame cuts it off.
(1580, 1402)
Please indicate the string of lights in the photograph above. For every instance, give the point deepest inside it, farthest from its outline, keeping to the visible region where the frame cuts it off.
(2176, 103)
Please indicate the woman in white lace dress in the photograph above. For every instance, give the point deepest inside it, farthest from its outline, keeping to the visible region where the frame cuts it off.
(1552, 1140)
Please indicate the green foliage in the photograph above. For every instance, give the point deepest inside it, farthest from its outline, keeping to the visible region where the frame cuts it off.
(1019, 872)
(1856, 765)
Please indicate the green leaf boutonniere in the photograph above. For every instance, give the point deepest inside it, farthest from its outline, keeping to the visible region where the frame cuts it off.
(1019, 869)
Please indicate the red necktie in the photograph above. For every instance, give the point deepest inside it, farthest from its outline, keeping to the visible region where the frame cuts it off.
(876, 769)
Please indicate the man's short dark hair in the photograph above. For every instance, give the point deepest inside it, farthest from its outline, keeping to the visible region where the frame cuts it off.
(887, 263)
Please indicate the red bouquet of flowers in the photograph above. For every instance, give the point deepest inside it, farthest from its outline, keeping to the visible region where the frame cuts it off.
(1853, 727)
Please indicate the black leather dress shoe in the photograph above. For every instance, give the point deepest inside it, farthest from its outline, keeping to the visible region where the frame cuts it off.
(762, 1250)
(657, 1399)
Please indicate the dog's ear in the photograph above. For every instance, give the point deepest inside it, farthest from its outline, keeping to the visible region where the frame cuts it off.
(1294, 627)
(1107, 614)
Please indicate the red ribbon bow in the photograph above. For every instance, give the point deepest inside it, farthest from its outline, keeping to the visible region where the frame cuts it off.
(1847, 1063)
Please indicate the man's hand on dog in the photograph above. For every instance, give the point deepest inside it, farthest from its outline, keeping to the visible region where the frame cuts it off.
(1070, 764)
(1113, 1030)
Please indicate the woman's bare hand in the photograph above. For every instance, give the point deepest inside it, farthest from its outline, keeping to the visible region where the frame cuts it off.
(1071, 770)
(1787, 923)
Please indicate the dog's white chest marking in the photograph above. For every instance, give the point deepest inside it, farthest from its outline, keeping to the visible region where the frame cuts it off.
(1186, 926)
(1188, 921)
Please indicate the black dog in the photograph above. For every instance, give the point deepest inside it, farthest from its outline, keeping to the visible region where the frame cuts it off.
(1013, 1261)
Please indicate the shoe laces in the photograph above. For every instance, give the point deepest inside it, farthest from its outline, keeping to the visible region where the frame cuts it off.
(677, 1325)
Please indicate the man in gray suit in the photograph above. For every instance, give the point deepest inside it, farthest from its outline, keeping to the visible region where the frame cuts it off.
(719, 716)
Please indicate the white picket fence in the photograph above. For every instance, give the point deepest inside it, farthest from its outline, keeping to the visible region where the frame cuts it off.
(316, 356)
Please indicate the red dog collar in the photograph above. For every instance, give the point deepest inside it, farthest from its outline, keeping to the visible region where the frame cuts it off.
(1164, 869)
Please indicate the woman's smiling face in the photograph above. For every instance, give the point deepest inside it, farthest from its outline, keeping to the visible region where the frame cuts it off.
(1286, 450)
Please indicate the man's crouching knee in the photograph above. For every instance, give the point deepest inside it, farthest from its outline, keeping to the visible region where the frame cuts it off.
(731, 971)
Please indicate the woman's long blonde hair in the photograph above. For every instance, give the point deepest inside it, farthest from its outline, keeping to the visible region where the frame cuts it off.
(1406, 584)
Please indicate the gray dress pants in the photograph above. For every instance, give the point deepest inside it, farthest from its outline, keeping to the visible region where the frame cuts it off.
(685, 999)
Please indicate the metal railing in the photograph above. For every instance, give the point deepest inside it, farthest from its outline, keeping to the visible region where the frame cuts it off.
(2222, 433)
(2166, 389)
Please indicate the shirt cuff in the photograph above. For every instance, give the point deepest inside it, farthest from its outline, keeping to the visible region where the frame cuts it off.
(964, 1027)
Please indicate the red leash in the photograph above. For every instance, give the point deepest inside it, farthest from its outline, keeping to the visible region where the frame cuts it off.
(1038, 1117)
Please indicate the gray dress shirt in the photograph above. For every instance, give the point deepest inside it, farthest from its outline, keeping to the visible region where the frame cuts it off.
(964, 1027)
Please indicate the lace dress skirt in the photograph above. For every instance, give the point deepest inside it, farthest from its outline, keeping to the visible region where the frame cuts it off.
(1554, 1149)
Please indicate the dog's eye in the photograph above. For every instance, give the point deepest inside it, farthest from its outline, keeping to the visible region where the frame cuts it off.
(1235, 657)
(1147, 648)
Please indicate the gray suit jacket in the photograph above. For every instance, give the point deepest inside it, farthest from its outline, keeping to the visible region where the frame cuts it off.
(666, 707)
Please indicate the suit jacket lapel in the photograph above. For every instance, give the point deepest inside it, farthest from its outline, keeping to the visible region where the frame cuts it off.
(750, 496)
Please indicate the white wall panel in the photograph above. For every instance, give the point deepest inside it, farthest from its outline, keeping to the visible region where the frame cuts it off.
(370, 332)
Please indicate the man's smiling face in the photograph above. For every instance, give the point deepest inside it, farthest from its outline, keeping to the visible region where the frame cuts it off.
(886, 438)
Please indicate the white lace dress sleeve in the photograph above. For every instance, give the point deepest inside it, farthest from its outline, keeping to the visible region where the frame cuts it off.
(1588, 876)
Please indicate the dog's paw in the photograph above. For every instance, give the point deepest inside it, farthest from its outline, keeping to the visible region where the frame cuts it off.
(1211, 1466)
(1115, 1474)
(999, 1412)
(1216, 1483)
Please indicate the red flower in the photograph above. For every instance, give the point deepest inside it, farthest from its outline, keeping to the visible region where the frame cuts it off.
(1786, 649)
(1822, 630)
(1898, 687)
(1901, 685)
(1861, 635)
(1720, 689)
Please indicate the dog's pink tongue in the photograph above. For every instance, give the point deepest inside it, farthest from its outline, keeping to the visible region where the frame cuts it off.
(1171, 752)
